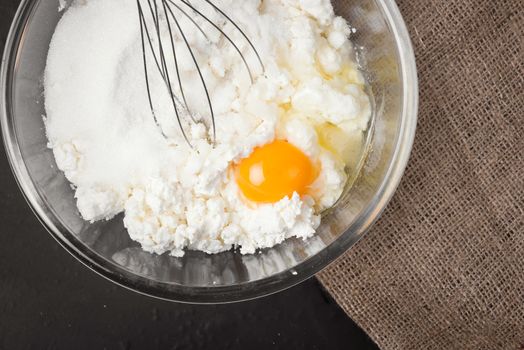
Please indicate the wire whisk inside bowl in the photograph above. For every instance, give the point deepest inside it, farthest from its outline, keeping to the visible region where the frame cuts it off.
(160, 16)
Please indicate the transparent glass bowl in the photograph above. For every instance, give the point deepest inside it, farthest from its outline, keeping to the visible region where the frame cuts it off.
(386, 56)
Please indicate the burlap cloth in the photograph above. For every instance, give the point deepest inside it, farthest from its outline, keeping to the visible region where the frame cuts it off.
(444, 266)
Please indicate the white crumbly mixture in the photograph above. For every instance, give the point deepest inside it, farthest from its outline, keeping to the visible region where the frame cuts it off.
(105, 140)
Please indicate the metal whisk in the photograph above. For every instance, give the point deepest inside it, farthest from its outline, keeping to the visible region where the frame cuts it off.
(158, 14)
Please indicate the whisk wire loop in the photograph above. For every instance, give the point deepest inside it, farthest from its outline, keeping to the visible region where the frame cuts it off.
(161, 17)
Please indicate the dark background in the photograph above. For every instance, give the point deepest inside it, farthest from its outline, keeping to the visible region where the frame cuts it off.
(48, 300)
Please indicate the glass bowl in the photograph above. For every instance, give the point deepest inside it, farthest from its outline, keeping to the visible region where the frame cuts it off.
(386, 56)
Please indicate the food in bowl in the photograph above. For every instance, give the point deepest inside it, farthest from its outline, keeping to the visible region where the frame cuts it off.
(282, 147)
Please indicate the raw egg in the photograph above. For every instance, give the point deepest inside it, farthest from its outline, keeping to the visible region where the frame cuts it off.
(274, 171)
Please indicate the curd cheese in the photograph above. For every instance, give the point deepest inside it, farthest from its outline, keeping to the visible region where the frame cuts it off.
(104, 138)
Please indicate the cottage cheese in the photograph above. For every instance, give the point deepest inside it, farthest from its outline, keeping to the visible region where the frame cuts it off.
(105, 140)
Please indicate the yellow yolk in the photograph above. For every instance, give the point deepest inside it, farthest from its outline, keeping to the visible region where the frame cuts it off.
(274, 171)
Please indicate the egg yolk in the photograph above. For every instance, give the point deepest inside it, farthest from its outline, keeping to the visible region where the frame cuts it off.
(274, 171)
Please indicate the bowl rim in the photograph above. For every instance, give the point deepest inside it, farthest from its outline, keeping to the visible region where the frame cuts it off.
(215, 294)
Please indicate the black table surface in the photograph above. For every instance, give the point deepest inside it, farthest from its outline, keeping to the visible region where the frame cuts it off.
(48, 300)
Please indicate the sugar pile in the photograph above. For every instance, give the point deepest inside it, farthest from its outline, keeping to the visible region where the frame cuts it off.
(104, 138)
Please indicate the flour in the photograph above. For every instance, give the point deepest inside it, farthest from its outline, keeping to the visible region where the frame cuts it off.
(105, 140)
